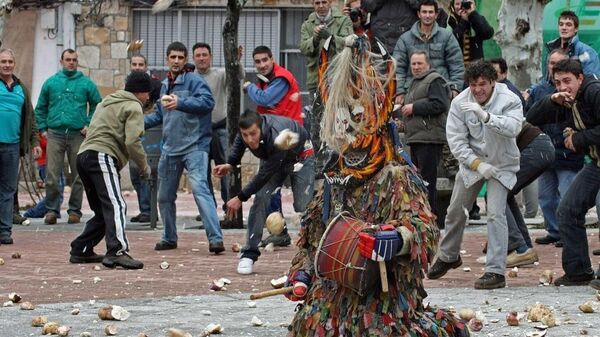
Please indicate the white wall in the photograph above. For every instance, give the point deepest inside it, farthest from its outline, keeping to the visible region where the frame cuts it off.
(49, 45)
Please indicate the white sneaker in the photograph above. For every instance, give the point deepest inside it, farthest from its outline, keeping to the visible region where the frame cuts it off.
(245, 266)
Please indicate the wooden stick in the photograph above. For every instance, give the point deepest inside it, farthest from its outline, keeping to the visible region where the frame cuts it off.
(383, 276)
(269, 293)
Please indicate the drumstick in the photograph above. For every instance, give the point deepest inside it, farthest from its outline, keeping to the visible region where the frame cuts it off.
(383, 276)
(273, 292)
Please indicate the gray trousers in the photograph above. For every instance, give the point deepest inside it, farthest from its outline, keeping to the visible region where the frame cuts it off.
(461, 201)
(59, 144)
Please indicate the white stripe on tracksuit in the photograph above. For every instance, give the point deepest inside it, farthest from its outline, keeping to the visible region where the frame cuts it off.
(113, 188)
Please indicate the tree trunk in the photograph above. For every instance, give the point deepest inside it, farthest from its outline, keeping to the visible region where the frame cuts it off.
(520, 38)
(232, 65)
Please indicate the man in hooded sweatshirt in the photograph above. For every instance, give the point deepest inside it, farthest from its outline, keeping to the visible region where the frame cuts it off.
(114, 137)
(63, 112)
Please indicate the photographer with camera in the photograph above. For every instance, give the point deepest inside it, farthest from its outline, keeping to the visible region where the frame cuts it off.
(357, 16)
(470, 29)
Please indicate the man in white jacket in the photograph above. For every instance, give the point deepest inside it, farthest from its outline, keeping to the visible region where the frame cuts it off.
(482, 126)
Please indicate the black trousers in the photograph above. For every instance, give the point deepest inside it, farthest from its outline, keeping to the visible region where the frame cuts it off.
(100, 176)
(426, 158)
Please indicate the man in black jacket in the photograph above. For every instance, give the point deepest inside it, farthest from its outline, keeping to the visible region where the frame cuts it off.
(425, 111)
(258, 133)
(470, 29)
(578, 101)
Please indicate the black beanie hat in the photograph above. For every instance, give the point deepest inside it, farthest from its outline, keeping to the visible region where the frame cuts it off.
(138, 81)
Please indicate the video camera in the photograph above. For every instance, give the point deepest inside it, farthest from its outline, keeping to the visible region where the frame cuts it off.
(355, 14)
(465, 4)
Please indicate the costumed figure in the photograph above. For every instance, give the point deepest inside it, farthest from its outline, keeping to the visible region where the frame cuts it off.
(373, 208)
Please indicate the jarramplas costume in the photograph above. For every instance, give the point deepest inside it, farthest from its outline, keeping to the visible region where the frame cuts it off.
(369, 182)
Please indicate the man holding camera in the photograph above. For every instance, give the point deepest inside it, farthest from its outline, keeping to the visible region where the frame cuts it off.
(358, 17)
(470, 29)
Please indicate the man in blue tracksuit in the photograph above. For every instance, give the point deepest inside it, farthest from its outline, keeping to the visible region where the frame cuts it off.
(184, 111)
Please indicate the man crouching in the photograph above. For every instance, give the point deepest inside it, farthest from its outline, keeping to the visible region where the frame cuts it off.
(113, 137)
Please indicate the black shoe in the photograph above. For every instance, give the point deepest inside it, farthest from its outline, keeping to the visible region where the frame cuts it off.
(18, 219)
(125, 261)
(142, 217)
(6, 240)
(595, 284)
(440, 268)
(558, 244)
(546, 240)
(93, 258)
(474, 215)
(165, 245)
(198, 217)
(216, 247)
(576, 280)
(490, 281)
(281, 240)
(596, 252)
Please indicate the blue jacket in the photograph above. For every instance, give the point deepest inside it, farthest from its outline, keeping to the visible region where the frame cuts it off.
(564, 159)
(444, 54)
(584, 53)
(188, 128)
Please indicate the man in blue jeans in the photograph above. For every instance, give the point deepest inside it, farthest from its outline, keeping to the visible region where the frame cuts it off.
(184, 111)
(17, 136)
(555, 181)
(577, 101)
(258, 133)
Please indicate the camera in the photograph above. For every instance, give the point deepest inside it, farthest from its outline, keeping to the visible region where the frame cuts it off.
(355, 14)
(465, 4)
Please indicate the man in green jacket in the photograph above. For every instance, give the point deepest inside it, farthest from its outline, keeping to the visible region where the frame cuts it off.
(113, 138)
(17, 136)
(63, 112)
(324, 22)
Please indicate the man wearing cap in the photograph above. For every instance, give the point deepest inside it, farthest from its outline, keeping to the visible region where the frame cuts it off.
(114, 136)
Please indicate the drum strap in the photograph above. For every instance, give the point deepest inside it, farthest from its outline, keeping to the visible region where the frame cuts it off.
(326, 201)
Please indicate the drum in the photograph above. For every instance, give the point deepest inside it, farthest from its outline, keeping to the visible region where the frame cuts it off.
(338, 256)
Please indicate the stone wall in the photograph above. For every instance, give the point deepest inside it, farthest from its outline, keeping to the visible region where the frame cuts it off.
(102, 45)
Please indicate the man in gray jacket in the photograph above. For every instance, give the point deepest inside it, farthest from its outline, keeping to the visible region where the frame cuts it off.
(482, 126)
(443, 49)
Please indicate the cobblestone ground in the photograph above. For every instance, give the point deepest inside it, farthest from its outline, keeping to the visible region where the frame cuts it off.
(176, 296)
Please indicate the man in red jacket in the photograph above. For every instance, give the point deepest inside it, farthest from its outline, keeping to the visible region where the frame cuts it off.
(276, 91)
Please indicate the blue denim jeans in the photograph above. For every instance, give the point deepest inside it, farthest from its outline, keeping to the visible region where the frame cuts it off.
(9, 175)
(579, 198)
(302, 188)
(534, 160)
(39, 210)
(552, 186)
(142, 188)
(170, 169)
(60, 143)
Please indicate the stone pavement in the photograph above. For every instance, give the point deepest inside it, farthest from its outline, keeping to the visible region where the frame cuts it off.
(176, 297)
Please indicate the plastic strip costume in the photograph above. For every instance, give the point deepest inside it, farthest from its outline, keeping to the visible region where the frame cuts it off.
(368, 181)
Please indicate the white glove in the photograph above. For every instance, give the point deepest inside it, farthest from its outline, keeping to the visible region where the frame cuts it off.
(475, 108)
(486, 170)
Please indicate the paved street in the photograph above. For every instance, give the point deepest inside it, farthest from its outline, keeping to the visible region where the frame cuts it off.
(179, 296)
